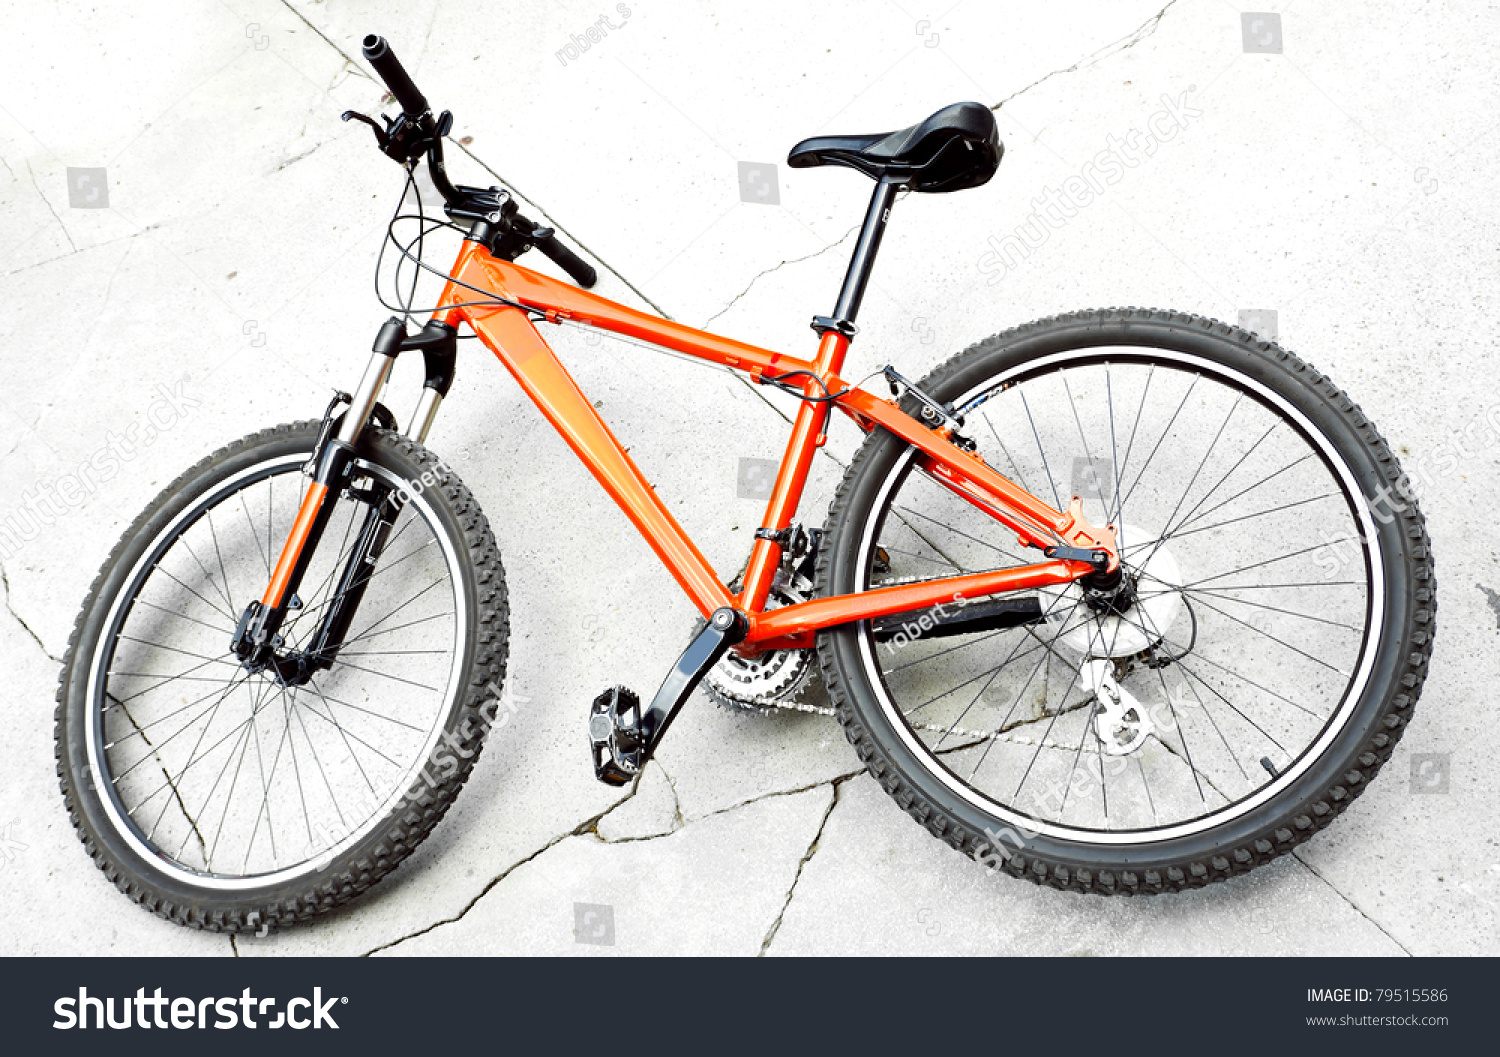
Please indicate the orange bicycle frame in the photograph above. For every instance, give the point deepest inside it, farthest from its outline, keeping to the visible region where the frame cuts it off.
(511, 334)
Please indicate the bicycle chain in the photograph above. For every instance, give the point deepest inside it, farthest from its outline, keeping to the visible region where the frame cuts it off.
(994, 735)
(767, 705)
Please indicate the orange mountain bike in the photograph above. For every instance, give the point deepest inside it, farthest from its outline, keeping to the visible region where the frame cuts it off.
(1121, 601)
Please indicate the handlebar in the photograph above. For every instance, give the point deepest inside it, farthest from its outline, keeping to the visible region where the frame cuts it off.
(416, 133)
(379, 55)
(546, 240)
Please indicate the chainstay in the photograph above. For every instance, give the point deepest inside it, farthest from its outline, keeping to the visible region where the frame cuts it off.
(766, 705)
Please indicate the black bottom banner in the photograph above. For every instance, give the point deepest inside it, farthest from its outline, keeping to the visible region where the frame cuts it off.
(303, 1005)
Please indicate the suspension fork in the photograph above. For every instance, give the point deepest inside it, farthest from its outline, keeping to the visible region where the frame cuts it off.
(257, 639)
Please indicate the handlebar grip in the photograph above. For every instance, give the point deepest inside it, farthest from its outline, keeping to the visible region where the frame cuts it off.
(582, 272)
(379, 55)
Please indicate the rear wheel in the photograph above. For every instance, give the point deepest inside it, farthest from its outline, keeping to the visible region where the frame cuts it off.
(230, 799)
(1245, 683)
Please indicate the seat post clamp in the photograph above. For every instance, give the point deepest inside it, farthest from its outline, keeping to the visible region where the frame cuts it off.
(823, 324)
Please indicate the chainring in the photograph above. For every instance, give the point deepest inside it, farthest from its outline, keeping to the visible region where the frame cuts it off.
(759, 685)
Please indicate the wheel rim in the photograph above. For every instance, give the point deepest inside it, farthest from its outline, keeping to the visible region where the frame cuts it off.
(225, 818)
(1056, 811)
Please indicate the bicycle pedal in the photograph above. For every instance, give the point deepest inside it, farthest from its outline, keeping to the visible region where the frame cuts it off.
(616, 738)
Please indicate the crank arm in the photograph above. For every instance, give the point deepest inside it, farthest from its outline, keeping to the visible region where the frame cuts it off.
(622, 736)
(724, 628)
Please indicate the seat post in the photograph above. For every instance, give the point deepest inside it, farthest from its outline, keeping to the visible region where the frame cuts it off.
(860, 265)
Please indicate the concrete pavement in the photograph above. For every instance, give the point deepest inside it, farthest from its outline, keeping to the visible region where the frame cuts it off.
(1330, 171)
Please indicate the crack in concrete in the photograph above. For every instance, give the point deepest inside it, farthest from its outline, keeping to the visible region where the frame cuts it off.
(352, 64)
(812, 849)
(677, 820)
(1183, 757)
(658, 309)
(48, 204)
(778, 792)
(552, 222)
(76, 252)
(587, 826)
(795, 260)
(590, 827)
(1353, 905)
(1130, 40)
(427, 37)
(4, 579)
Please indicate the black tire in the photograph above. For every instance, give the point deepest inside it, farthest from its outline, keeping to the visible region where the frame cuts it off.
(376, 846)
(1308, 799)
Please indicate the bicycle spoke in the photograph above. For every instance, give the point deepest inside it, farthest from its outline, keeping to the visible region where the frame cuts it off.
(343, 822)
(332, 720)
(398, 627)
(208, 516)
(1248, 517)
(201, 719)
(265, 805)
(1020, 477)
(195, 594)
(229, 796)
(1244, 491)
(1068, 785)
(956, 532)
(1189, 455)
(265, 556)
(229, 689)
(1046, 469)
(1145, 785)
(174, 649)
(1130, 447)
(386, 675)
(1216, 593)
(219, 628)
(1269, 561)
(1280, 642)
(1167, 532)
(378, 715)
(393, 612)
(1147, 465)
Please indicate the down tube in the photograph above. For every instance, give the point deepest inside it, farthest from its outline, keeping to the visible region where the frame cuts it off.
(511, 337)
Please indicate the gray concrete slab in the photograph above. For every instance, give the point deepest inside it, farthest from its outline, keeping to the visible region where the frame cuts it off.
(1342, 183)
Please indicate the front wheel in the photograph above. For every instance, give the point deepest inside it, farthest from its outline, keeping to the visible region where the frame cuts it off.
(232, 799)
(1242, 684)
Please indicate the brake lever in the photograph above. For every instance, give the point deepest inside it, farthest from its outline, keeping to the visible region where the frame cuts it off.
(381, 135)
(403, 138)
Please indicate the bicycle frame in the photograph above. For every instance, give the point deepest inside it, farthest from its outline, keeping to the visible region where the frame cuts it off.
(511, 334)
(509, 331)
